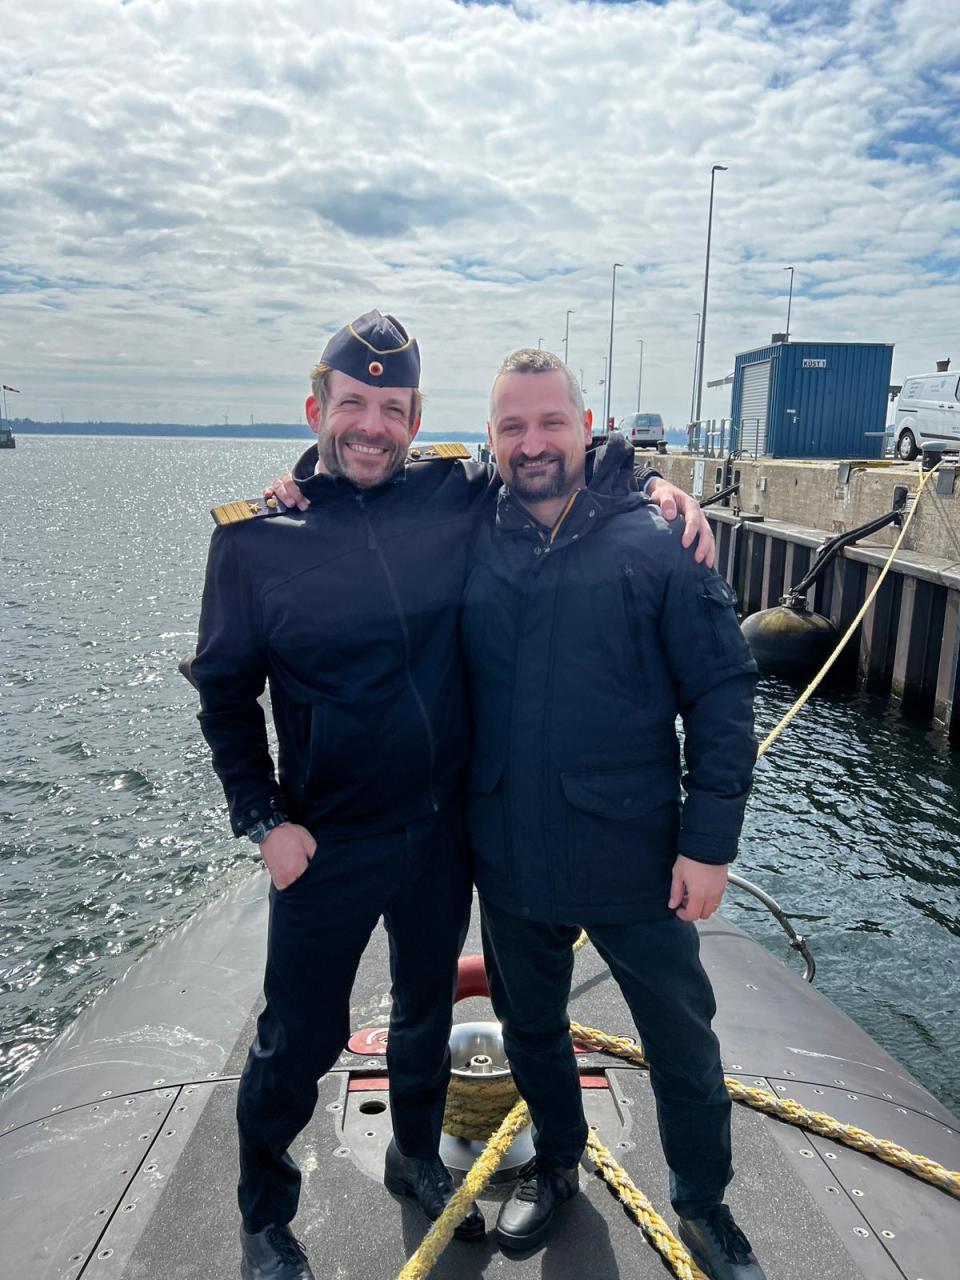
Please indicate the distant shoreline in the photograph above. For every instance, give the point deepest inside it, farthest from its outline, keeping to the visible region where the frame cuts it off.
(213, 431)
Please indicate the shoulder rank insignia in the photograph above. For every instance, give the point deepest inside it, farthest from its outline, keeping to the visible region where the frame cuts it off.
(246, 509)
(454, 450)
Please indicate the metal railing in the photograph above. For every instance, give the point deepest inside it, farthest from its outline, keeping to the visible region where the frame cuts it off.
(711, 437)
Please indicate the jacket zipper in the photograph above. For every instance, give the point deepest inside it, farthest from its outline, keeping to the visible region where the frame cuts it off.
(528, 591)
(548, 730)
(373, 545)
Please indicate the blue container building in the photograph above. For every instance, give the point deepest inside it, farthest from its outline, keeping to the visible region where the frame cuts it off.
(811, 399)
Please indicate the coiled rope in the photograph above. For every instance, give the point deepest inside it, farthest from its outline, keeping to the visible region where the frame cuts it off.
(480, 1111)
(476, 1107)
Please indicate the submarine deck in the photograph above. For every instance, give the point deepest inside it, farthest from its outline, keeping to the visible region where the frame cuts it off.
(118, 1153)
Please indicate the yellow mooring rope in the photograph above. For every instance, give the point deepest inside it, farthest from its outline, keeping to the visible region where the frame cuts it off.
(795, 1113)
(474, 1116)
(441, 1233)
(670, 1248)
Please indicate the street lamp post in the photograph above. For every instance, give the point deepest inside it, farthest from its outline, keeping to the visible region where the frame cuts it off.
(566, 340)
(696, 356)
(640, 378)
(609, 373)
(789, 301)
(717, 168)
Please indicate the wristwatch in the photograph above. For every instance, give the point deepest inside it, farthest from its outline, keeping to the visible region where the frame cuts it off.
(260, 830)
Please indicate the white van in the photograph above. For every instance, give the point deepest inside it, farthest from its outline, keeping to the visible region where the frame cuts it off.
(643, 430)
(928, 409)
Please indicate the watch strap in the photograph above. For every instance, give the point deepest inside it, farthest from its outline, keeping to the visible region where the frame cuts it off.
(260, 830)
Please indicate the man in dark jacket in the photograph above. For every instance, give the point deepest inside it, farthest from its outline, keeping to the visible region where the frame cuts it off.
(348, 605)
(588, 630)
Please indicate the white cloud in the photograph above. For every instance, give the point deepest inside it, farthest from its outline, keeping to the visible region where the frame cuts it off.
(193, 194)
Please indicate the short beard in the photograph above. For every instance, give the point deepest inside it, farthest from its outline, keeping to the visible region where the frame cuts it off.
(329, 453)
(536, 490)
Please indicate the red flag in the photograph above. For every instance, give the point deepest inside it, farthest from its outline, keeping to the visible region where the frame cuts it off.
(6, 388)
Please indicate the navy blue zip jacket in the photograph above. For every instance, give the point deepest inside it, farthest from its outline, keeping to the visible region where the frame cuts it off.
(582, 652)
(349, 609)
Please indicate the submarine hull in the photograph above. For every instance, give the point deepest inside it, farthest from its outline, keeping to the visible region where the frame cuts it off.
(118, 1149)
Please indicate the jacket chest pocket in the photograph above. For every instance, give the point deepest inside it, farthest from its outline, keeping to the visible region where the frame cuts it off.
(622, 827)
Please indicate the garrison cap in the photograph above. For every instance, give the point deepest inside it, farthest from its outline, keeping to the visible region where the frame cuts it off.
(375, 349)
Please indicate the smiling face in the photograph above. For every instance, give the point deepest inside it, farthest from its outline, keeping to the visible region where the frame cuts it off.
(538, 437)
(363, 432)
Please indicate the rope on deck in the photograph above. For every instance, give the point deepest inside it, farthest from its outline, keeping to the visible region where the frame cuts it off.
(659, 1235)
(670, 1248)
(793, 1112)
(485, 1166)
(487, 1109)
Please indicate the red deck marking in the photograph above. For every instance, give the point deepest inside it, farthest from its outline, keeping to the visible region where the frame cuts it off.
(369, 1043)
(376, 1084)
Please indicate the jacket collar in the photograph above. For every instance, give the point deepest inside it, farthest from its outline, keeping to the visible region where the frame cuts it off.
(314, 485)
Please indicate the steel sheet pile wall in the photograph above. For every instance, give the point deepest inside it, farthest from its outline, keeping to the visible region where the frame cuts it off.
(825, 400)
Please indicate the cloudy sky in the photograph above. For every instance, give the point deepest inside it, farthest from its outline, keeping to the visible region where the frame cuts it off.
(195, 193)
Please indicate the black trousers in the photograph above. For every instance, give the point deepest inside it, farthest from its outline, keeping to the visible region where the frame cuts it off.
(418, 880)
(657, 966)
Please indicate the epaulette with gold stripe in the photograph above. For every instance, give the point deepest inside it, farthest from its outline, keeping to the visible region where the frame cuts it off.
(453, 450)
(246, 509)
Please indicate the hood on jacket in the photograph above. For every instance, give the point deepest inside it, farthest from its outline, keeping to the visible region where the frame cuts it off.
(610, 466)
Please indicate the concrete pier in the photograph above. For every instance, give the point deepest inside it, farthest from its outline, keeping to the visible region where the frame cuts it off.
(907, 647)
(827, 494)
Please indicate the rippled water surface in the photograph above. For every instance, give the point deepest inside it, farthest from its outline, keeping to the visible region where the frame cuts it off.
(112, 828)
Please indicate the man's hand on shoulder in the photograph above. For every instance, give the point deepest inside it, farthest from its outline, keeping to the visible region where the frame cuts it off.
(288, 491)
(697, 888)
(286, 852)
(673, 501)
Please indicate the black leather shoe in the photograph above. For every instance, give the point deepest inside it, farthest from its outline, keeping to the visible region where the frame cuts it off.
(273, 1254)
(719, 1247)
(525, 1218)
(429, 1182)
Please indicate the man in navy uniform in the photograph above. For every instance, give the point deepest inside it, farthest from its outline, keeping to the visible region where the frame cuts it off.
(348, 605)
(588, 630)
